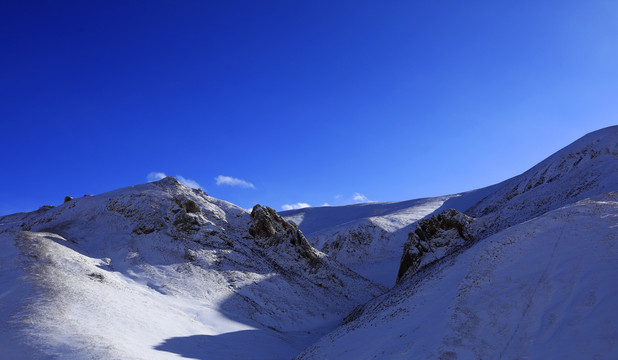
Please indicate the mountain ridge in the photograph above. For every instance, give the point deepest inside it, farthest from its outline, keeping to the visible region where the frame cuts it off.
(182, 274)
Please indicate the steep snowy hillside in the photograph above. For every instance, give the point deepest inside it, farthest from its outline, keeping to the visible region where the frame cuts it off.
(522, 269)
(543, 289)
(587, 167)
(160, 270)
(369, 237)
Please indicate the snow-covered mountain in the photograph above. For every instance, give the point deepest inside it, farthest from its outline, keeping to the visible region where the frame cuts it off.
(544, 289)
(521, 269)
(369, 237)
(585, 168)
(527, 272)
(156, 269)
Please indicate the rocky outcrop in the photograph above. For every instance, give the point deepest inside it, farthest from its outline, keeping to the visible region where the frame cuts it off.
(191, 206)
(434, 238)
(271, 230)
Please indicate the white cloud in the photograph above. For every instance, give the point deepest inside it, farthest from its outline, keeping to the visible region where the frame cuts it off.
(338, 196)
(155, 176)
(295, 206)
(231, 181)
(360, 198)
(325, 204)
(189, 182)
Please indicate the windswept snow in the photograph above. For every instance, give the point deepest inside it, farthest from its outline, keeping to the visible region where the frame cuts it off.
(159, 269)
(542, 289)
(369, 238)
(587, 167)
(163, 271)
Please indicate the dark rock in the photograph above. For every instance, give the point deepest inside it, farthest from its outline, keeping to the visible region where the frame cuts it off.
(272, 230)
(67, 198)
(191, 206)
(355, 314)
(264, 221)
(199, 191)
(433, 238)
(186, 222)
(96, 277)
(189, 255)
(148, 227)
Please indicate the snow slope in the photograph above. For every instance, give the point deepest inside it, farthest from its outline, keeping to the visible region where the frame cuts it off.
(160, 271)
(365, 237)
(542, 289)
(369, 237)
(531, 276)
(587, 167)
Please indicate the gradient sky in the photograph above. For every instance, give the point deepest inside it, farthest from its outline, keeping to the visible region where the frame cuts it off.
(305, 101)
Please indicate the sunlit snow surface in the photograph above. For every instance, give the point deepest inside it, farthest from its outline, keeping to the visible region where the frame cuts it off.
(83, 280)
(140, 273)
(544, 289)
(369, 238)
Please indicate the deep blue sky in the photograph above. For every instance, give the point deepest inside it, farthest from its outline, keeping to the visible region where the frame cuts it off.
(310, 101)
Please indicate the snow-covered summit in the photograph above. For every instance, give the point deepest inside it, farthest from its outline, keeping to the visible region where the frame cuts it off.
(523, 268)
(532, 275)
(369, 237)
(170, 268)
(587, 167)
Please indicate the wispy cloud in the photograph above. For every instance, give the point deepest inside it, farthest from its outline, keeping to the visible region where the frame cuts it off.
(189, 182)
(358, 197)
(232, 181)
(299, 205)
(155, 176)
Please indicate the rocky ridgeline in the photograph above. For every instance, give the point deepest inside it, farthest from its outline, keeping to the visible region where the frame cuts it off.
(434, 238)
(272, 230)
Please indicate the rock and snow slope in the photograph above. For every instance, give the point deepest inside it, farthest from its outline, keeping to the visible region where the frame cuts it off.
(587, 167)
(369, 237)
(540, 286)
(159, 269)
(544, 289)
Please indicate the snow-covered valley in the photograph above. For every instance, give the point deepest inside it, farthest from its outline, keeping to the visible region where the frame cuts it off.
(522, 269)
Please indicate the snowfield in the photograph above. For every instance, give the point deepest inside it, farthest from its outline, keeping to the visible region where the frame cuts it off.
(524, 269)
(545, 289)
(161, 270)
(369, 238)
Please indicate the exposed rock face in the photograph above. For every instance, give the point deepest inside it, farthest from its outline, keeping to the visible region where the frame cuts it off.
(433, 239)
(273, 230)
(67, 198)
(191, 206)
